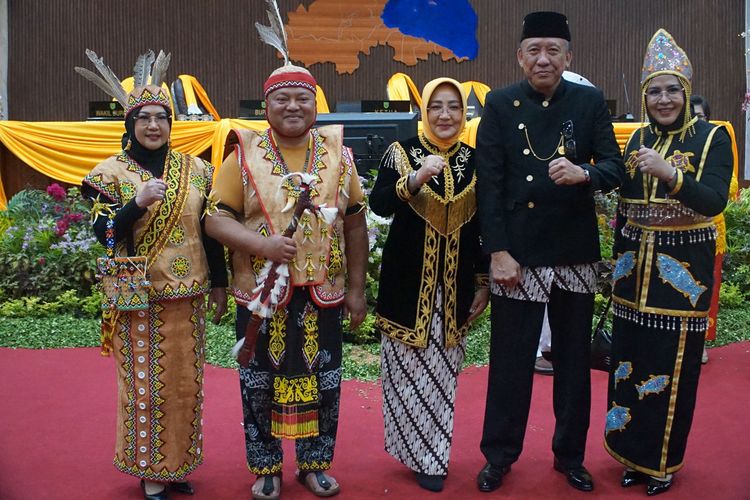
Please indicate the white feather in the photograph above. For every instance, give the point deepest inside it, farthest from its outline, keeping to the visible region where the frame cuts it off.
(238, 347)
(329, 214)
(159, 71)
(275, 34)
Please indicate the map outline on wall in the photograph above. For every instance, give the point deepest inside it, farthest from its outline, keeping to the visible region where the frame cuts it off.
(337, 31)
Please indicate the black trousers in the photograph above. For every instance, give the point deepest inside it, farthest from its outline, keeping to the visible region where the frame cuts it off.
(516, 326)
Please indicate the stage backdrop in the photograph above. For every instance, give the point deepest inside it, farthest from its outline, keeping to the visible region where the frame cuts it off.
(216, 41)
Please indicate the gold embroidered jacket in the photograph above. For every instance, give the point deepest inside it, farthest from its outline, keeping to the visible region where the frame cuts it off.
(665, 249)
(433, 240)
(170, 230)
(320, 261)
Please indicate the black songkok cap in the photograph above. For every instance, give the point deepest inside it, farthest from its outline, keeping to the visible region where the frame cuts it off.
(545, 25)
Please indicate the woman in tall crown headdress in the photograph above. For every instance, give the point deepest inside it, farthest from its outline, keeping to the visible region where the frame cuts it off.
(149, 201)
(678, 174)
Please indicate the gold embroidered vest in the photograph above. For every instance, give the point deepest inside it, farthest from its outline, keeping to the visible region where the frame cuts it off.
(170, 230)
(320, 261)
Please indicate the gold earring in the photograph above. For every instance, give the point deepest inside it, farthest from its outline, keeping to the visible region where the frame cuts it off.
(127, 146)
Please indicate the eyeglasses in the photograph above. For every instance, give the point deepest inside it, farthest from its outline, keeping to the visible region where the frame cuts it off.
(145, 119)
(569, 143)
(654, 94)
(451, 109)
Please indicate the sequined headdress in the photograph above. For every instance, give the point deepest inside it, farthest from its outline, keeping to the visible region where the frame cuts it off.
(665, 57)
(148, 75)
(288, 75)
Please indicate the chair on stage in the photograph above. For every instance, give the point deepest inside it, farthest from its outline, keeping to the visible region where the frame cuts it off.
(320, 101)
(476, 92)
(191, 100)
(400, 87)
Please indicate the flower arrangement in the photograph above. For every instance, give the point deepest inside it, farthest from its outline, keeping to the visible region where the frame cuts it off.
(47, 246)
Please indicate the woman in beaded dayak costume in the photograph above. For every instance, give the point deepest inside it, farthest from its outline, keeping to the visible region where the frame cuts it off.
(678, 173)
(149, 201)
(433, 281)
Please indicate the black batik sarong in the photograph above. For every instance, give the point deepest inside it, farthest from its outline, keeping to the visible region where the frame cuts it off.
(292, 386)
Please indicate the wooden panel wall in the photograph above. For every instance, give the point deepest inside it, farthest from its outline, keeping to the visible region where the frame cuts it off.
(216, 41)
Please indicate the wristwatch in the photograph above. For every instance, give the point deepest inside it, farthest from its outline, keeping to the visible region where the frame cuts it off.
(586, 175)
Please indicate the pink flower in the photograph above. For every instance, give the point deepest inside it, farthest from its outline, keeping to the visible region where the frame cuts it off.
(42, 261)
(76, 217)
(746, 102)
(56, 191)
(60, 227)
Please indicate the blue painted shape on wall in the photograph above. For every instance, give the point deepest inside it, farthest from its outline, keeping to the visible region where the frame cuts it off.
(448, 23)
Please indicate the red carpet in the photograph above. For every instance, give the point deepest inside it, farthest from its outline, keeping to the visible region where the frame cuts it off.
(57, 435)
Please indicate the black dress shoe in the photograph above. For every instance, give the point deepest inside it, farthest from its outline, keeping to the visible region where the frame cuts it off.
(654, 486)
(632, 477)
(578, 477)
(431, 482)
(162, 495)
(490, 477)
(183, 487)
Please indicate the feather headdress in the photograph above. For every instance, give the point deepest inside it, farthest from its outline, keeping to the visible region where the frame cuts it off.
(275, 34)
(110, 84)
(148, 75)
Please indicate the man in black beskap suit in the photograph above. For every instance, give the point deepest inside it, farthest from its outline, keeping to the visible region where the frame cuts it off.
(536, 141)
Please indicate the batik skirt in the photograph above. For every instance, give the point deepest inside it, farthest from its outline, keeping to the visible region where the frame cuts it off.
(419, 394)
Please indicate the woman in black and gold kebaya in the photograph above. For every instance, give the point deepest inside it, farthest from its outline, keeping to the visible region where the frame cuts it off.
(678, 170)
(433, 281)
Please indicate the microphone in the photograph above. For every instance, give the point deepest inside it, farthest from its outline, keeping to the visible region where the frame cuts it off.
(628, 116)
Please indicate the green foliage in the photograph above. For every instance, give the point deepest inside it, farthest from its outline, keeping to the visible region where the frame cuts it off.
(732, 325)
(365, 333)
(67, 302)
(737, 259)
(478, 341)
(219, 342)
(606, 208)
(731, 296)
(48, 246)
(49, 332)
(361, 362)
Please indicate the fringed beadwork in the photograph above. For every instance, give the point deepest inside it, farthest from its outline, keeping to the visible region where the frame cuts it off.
(672, 238)
(662, 214)
(660, 321)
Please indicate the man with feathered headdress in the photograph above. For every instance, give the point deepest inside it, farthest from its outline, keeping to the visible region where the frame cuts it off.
(293, 284)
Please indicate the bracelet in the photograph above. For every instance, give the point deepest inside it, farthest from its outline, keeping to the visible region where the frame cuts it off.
(586, 175)
(413, 178)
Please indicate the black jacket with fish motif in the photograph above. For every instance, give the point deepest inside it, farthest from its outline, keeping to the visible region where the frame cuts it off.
(665, 250)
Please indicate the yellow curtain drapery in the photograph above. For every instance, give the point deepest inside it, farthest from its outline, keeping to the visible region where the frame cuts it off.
(480, 90)
(67, 151)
